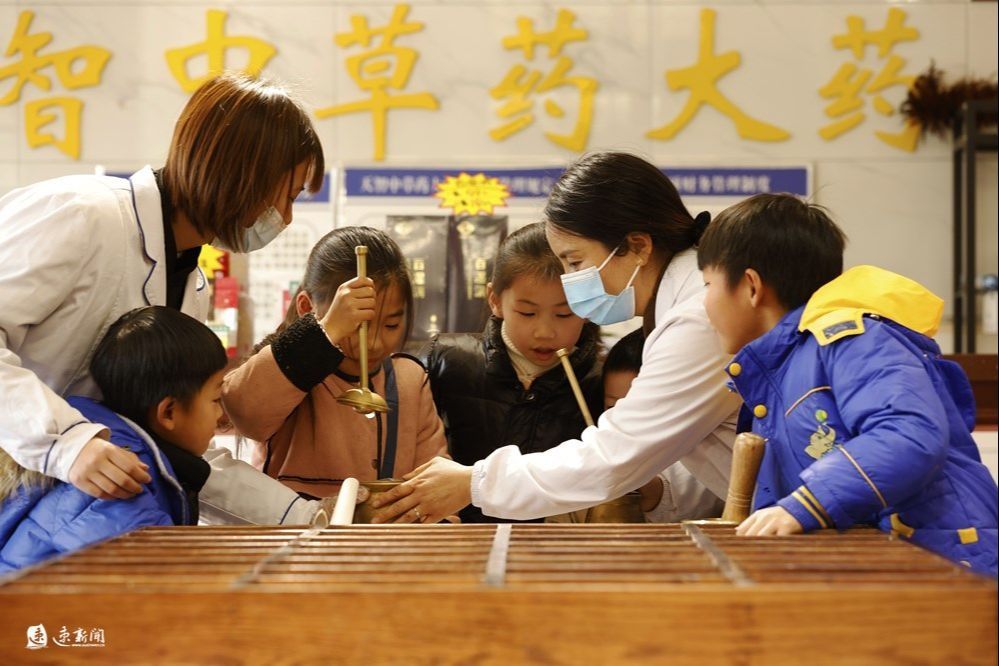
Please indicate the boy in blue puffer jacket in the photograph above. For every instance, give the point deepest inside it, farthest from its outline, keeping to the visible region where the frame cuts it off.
(160, 372)
(865, 423)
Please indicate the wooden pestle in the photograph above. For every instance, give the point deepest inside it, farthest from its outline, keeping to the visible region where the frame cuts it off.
(626, 509)
(747, 454)
(574, 383)
(563, 355)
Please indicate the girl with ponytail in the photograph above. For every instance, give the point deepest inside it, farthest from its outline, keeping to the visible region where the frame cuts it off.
(284, 396)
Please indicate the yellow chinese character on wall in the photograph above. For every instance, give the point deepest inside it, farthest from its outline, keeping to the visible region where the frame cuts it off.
(75, 68)
(520, 83)
(701, 79)
(379, 69)
(850, 81)
(214, 49)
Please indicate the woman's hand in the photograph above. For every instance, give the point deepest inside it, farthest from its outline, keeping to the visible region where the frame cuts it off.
(772, 521)
(431, 493)
(106, 471)
(353, 303)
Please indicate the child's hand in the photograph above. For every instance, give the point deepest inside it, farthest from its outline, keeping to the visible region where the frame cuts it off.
(354, 302)
(772, 521)
(106, 471)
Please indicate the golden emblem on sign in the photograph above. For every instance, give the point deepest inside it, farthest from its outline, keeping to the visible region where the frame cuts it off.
(472, 195)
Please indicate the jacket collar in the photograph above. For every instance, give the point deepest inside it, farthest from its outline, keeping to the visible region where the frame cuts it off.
(860, 291)
(149, 220)
(101, 413)
(761, 358)
(837, 309)
(498, 363)
(191, 471)
(165, 470)
(770, 349)
(681, 281)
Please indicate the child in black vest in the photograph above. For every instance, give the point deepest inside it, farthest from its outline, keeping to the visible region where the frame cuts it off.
(504, 386)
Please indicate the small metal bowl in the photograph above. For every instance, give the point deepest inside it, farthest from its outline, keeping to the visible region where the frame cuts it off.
(624, 509)
(364, 512)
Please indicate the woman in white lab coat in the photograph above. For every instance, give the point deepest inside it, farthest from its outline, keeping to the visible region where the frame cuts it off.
(627, 244)
(79, 251)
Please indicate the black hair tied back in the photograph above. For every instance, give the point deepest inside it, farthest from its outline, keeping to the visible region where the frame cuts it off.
(701, 223)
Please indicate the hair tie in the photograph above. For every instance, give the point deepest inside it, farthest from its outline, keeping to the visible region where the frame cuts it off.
(701, 223)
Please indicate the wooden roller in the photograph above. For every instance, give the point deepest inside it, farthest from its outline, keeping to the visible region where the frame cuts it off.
(343, 512)
(747, 454)
(626, 509)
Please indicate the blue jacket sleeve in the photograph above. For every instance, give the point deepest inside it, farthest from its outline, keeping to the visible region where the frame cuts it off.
(887, 401)
(104, 519)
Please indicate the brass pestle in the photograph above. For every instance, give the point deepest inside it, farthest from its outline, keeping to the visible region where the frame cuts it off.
(362, 398)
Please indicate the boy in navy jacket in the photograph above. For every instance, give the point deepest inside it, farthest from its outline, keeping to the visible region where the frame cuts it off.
(160, 372)
(865, 423)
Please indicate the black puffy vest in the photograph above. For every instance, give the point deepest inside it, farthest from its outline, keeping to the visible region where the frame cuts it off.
(485, 407)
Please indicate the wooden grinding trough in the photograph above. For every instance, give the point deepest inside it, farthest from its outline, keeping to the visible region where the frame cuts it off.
(504, 594)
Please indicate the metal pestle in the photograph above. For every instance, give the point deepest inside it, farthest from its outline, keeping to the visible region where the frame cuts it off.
(363, 399)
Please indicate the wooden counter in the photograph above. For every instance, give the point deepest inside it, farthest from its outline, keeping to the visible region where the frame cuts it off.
(488, 594)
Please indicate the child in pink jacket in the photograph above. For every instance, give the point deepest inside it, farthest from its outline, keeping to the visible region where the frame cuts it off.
(284, 396)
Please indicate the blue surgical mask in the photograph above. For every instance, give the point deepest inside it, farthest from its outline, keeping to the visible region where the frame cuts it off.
(264, 230)
(587, 298)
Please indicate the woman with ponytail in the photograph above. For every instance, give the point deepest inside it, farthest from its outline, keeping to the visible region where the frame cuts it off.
(627, 244)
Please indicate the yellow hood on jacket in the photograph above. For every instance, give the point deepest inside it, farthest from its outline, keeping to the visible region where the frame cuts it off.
(837, 309)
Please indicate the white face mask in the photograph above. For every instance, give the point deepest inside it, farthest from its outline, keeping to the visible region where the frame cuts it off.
(587, 298)
(264, 230)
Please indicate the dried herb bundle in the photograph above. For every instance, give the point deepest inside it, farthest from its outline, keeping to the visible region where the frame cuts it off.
(932, 103)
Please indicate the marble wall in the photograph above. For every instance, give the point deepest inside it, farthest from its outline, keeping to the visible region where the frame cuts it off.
(895, 205)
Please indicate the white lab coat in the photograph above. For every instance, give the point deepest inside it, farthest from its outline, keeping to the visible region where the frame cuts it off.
(75, 254)
(684, 498)
(677, 409)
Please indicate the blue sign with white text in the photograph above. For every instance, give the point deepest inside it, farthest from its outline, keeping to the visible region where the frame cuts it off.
(423, 182)
(738, 182)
